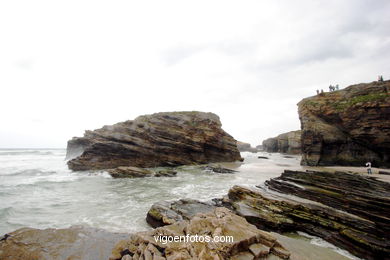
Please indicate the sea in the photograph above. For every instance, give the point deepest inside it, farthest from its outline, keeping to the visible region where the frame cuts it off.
(38, 190)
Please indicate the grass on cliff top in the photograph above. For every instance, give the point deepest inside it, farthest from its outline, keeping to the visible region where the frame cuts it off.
(341, 105)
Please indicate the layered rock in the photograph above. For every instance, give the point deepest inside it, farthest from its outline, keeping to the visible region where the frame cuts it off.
(289, 142)
(57, 244)
(245, 147)
(161, 139)
(248, 242)
(361, 226)
(347, 127)
(347, 210)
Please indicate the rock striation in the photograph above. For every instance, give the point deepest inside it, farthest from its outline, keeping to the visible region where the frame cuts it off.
(348, 210)
(347, 127)
(289, 142)
(161, 139)
(248, 241)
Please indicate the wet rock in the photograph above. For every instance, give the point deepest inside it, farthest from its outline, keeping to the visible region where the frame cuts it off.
(289, 142)
(161, 139)
(347, 127)
(165, 173)
(168, 212)
(360, 225)
(262, 157)
(219, 222)
(129, 172)
(384, 172)
(217, 169)
(57, 244)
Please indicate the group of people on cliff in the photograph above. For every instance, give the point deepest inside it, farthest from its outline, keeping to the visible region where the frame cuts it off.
(331, 88)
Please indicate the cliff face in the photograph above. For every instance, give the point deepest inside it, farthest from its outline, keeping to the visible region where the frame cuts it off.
(161, 139)
(245, 147)
(289, 142)
(347, 127)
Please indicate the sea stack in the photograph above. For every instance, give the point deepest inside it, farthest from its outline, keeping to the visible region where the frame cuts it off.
(160, 139)
(289, 142)
(347, 127)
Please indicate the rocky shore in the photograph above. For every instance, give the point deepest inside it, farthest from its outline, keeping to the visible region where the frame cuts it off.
(161, 139)
(351, 213)
(289, 143)
(347, 127)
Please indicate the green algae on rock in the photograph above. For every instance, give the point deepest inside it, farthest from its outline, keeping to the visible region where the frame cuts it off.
(347, 127)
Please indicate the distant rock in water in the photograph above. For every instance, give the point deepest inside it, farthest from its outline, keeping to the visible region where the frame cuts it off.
(245, 147)
(347, 127)
(289, 142)
(161, 139)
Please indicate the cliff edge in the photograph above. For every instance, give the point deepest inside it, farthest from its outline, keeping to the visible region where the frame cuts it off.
(347, 127)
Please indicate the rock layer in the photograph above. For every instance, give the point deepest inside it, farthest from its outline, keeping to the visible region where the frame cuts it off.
(289, 142)
(347, 210)
(347, 127)
(161, 139)
(248, 241)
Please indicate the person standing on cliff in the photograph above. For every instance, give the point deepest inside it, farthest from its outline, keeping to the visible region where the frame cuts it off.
(368, 165)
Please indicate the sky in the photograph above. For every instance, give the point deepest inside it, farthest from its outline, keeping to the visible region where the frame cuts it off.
(70, 66)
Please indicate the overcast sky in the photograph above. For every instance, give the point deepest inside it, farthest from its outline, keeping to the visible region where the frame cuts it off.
(68, 66)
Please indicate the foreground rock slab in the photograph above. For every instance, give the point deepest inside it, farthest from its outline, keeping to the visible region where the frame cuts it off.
(58, 244)
(349, 211)
(248, 241)
(361, 226)
(161, 139)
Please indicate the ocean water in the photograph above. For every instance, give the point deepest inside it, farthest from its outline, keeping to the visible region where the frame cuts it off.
(38, 190)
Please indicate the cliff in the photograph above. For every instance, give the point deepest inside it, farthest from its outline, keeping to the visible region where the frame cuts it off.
(347, 127)
(161, 139)
(289, 142)
(245, 147)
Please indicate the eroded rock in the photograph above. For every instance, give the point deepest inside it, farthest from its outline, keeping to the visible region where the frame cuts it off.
(289, 142)
(219, 222)
(161, 139)
(347, 127)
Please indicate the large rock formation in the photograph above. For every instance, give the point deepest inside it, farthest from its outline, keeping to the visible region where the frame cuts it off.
(248, 242)
(347, 127)
(161, 139)
(347, 210)
(289, 142)
(245, 147)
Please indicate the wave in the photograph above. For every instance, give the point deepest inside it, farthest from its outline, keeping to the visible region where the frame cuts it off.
(30, 172)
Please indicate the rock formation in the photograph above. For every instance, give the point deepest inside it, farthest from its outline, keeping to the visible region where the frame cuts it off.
(347, 210)
(248, 241)
(245, 147)
(289, 142)
(161, 139)
(347, 127)
(57, 244)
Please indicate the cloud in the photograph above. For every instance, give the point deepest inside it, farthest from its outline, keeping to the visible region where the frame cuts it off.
(84, 64)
